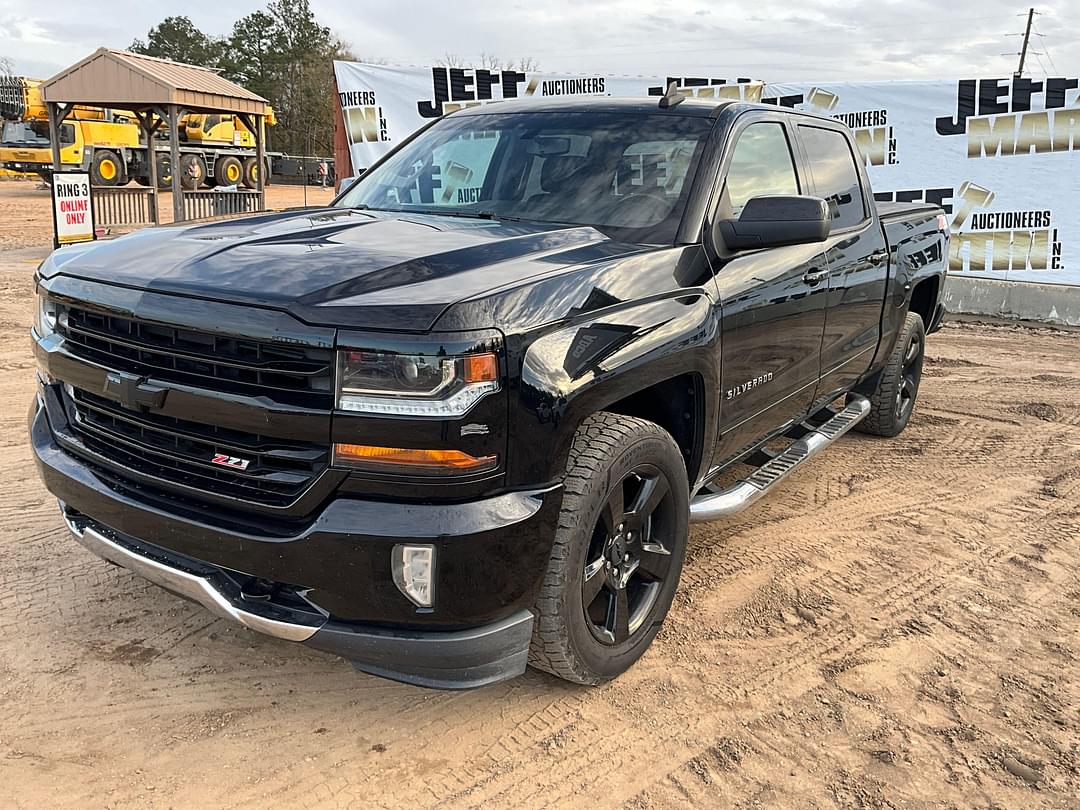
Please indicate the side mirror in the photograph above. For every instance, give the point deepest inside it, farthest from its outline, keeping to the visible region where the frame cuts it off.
(775, 221)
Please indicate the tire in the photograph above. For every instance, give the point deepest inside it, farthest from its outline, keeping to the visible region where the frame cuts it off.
(192, 171)
(614, 459)
(893, 402)
(106, 168)
(228, 171)
(251, 172)
(164, 171)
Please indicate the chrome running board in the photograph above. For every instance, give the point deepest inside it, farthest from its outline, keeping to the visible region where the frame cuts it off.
(734, 499)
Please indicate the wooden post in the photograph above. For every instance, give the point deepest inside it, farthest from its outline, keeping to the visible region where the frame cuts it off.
(260, 159)
(54, 134)
(149, 126)
(174, 160)
(57, 113)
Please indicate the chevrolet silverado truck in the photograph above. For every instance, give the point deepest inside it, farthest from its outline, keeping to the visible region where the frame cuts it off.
(461, 420)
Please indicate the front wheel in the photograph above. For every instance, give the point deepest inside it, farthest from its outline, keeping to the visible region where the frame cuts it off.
(106, 168)
(893, 402)
(618, 550)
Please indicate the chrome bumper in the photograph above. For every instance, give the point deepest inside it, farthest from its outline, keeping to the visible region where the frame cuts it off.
(191, 586)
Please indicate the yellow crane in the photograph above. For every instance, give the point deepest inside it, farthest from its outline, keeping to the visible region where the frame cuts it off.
(214, 149)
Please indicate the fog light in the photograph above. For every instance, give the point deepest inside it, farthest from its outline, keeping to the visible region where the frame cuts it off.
(414, 573)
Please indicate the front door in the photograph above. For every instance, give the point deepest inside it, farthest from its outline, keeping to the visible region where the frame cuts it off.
(772, 301)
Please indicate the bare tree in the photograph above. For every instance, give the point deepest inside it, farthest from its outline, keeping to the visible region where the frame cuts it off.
(6, 66)
(493, 62)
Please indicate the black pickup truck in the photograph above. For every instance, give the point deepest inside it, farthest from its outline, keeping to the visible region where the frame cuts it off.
(460, 420)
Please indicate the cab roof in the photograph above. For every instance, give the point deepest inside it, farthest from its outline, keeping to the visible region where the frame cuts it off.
(642, 105)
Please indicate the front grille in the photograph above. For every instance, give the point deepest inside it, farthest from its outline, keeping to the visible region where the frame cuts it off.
(295, 375)
(181, 452)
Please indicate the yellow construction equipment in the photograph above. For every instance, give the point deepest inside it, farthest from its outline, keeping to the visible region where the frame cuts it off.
(214, 149)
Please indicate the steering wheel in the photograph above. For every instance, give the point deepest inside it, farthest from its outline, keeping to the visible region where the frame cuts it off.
(642, 208)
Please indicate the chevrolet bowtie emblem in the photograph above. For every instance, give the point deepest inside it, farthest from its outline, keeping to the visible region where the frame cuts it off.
(133, 392)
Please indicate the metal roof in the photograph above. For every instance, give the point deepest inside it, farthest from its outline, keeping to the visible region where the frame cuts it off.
(113, 78)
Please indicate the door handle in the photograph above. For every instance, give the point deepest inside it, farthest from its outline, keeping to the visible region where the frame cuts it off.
(815, 277)
(878, 256)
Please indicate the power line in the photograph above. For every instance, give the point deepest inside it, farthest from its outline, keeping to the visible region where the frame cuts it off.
(1040, 61)
(1046, 51)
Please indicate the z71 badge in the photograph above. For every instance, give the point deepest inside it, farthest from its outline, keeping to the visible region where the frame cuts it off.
(230, 461)
(741, 389)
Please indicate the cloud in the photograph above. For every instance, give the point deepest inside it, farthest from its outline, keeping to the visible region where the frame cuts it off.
(821, 39)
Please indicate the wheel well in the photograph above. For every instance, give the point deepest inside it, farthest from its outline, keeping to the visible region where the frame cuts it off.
(676, 405)
(924, 299)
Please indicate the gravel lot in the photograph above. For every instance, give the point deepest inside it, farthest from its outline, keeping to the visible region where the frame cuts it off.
(896, 627)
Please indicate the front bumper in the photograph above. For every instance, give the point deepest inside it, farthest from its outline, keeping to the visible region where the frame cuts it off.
(330, 584)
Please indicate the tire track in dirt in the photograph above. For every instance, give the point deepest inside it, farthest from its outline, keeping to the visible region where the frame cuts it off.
(799, 665)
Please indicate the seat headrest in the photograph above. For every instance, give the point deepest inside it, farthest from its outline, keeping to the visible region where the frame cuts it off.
(558, 169)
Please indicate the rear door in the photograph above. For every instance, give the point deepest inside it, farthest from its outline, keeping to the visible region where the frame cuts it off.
(772, 301)
(857, 255)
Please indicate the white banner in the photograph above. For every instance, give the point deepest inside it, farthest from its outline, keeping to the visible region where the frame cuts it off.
(1001, 155)
(382, 105)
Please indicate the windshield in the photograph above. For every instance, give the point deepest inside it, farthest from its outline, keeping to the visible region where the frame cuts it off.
(627, 175)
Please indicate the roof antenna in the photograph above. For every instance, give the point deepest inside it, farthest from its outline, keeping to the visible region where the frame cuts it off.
(671, 97)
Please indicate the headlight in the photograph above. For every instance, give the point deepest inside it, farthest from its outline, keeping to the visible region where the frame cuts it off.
(44, 316)
(382, 382)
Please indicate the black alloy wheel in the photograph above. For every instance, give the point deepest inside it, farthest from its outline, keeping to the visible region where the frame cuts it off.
(618, 550)
(910, 375)
(893, 400)
(628, 559)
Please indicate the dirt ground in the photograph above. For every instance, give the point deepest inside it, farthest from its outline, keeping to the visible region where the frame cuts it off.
(896, 627)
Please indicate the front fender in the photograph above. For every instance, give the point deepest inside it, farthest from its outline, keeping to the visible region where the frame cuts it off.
(579, 368)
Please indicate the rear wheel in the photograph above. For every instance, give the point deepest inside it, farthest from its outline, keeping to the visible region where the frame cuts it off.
(618, 550)
(228, 171)
(251, 172)
(891, 405)
(105, 168)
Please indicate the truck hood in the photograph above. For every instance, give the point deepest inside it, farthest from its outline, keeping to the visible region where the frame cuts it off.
(339, 267)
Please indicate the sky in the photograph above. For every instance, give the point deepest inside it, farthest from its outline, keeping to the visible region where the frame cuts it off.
(765, 39)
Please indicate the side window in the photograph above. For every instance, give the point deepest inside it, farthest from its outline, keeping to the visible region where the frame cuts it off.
(761, 164)
(836, 178)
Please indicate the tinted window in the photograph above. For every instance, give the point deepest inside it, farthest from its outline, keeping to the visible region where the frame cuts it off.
(835, 177)
(761, 164)
(624, 174)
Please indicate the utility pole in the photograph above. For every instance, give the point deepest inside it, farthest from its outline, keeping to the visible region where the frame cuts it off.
(1024, 47)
